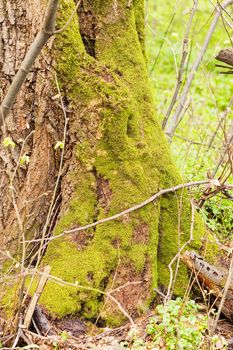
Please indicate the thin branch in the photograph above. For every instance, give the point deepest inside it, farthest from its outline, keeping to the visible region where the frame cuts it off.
(176, 117)
(53, 200)
(192, 142)
(36, 297)
(229, 139)
(182, 63)
(130, 210)
(161, 45)
(136, 207)
(177, 256)
(91, 289)
(58, 31)
(39, 253)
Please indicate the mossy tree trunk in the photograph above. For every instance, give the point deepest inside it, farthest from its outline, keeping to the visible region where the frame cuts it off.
(116, 156)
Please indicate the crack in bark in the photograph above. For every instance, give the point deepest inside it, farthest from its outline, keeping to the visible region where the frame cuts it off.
(103, 192)
(87, 27)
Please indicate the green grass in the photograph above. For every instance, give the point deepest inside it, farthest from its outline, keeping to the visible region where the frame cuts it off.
(210, 92)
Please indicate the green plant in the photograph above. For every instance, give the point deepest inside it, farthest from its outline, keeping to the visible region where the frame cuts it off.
(177, 325)
(25, 159)
(55, 345)
(137, 342)
(218, 342)
(217, 213)
(59, 144)
(8, 142)
(64, 335)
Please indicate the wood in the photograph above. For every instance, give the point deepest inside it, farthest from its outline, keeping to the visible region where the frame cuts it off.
(42, 321)
(212, 277)
(33, 52)
(30, 119)
(36, 297)
(225, 56)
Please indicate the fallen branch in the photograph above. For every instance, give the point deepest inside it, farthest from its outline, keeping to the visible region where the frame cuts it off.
(219, 282)
(225, 56)
(36, 297)
(228, 287)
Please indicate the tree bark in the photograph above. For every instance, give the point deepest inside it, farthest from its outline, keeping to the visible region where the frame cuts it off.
(35, 122)
(115, 156)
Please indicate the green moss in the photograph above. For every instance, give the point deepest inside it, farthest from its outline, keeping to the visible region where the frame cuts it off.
(85, 194)
(9, 293)
(119, 140)
(174, 235)
(210, 249)
(139, 15)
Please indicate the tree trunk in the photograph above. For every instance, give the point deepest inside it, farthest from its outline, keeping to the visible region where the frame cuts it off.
(33, 125)
(115, 156)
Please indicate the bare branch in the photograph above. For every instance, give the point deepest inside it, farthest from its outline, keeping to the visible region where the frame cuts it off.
(69, 20)
(164, 36)
(90, 289)
(176, 117)
(136, 207)
(177, 256)
(36, 296)
(182, 63)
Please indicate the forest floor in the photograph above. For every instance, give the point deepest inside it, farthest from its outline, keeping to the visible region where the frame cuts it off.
(125, 337)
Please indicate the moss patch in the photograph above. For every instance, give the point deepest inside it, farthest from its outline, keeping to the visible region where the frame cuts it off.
(114, 135)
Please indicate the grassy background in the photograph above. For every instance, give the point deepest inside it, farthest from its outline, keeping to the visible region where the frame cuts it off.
(209, 95)
(210, 92)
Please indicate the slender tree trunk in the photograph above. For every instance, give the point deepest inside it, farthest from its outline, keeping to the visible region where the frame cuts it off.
(115, 156)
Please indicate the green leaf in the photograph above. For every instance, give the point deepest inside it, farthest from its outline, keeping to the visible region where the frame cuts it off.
(8, 142)
(64, 335)
(24, 159)
(150, 329)
(59, 144)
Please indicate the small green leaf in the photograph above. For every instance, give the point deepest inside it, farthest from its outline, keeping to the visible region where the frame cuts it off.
(64, 335)
(150, 329)
(8, 142)
(59, 144)
(55, 345)
(24, 159)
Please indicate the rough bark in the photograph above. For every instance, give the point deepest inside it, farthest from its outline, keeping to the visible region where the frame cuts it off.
(34, 111)
(116, 155)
